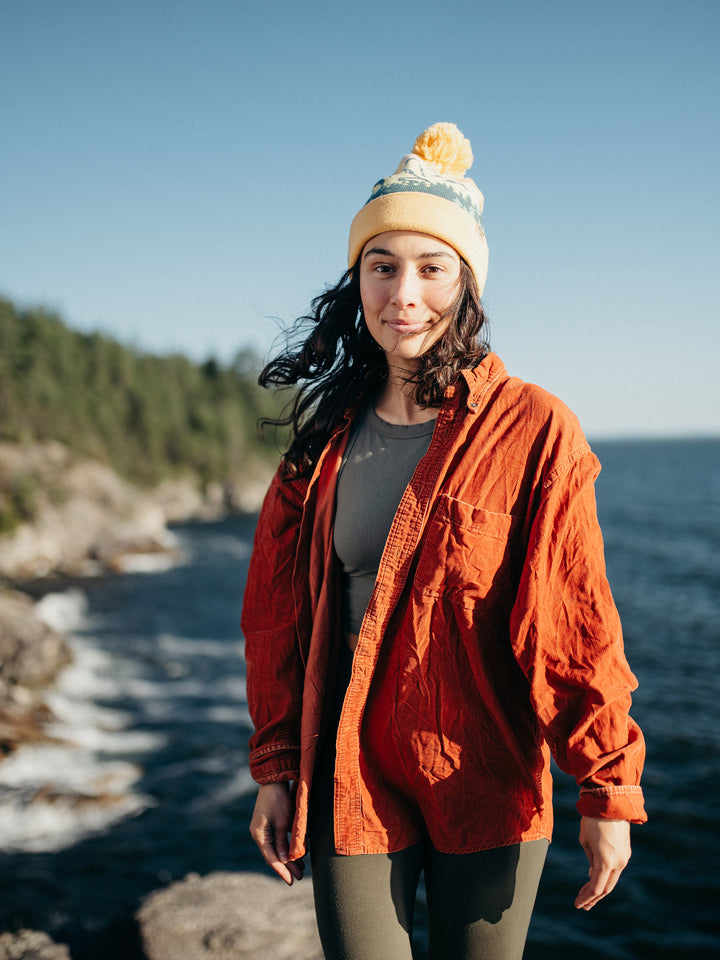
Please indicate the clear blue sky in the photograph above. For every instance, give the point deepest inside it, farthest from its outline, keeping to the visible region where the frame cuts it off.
(178, 174)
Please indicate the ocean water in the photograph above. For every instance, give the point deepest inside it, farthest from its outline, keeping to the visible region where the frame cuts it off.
(148, 778)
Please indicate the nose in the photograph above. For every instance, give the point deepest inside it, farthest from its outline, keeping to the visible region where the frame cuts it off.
(405, 289)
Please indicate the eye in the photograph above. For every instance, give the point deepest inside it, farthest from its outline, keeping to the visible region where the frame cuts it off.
(432, 268)
(382, 268)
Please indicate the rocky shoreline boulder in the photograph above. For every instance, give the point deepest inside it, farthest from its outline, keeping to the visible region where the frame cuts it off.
(31, 656)
(31, 945)
(31, 653)
(230, 916)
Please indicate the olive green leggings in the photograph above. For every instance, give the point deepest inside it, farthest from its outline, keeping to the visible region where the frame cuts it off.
(479, 904)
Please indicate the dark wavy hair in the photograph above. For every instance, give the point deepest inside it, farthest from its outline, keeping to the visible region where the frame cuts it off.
(338, 363)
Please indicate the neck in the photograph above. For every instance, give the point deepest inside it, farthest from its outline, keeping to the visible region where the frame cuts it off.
(396, 403)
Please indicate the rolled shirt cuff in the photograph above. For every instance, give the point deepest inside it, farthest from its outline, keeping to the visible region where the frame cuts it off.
(613, 802)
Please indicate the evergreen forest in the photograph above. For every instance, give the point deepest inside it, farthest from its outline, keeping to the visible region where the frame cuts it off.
(149, 417)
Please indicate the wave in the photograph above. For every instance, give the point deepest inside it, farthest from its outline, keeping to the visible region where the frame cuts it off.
(54, 794)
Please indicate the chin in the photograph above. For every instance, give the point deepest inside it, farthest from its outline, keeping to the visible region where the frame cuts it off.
(411, 348)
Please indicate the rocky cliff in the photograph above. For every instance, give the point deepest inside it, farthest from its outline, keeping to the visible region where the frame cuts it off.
(84, 518)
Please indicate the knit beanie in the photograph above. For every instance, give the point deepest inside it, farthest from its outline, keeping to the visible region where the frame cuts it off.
(429, 193)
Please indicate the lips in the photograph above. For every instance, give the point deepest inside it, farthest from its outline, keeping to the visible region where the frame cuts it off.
(407, 326)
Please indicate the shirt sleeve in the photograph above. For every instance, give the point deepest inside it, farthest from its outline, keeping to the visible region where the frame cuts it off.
(273, 663)
(567, 639)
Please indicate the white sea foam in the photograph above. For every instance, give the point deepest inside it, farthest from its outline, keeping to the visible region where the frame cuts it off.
(53, 794)
(65, 768)
(63, 612)
(47, 824)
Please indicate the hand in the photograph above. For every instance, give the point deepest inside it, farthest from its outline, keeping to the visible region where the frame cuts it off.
(270, 825)
(607, 845)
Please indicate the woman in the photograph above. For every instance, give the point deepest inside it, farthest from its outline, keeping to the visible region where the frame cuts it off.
(427, 617)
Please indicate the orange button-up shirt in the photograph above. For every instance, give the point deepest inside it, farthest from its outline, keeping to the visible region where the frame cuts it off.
(491, 639)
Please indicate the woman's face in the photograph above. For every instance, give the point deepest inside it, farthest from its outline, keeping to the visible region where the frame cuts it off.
(407, 282)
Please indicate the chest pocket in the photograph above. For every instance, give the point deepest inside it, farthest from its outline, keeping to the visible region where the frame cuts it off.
(466, 554)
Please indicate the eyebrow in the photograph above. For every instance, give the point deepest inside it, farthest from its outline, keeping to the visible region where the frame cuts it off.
(430, 255)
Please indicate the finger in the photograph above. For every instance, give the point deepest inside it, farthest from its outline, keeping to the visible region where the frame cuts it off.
(273, 853)
(272, 859)
(594, 888)
(296, 868)
(288, 870)
(597, 888)
(593, 895)
(283, 857)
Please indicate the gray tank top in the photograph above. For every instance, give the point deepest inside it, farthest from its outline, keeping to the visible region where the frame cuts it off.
(378, 464)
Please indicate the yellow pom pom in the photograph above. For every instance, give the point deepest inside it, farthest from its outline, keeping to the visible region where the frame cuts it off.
(444, 146)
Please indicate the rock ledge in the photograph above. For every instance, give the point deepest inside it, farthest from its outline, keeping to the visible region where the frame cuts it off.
(230, 916)
(31, 945)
